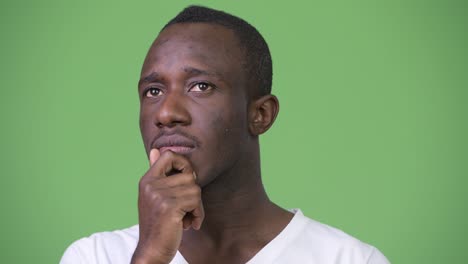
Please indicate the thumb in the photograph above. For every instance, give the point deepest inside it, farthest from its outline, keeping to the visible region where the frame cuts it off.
(154, 156)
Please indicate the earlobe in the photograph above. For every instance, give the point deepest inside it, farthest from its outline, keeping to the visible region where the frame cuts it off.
(262, 114)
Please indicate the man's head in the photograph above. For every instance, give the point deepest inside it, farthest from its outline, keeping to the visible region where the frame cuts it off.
(202, 95)
(256, 60)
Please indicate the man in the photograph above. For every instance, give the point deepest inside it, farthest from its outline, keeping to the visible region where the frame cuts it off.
(205, 99)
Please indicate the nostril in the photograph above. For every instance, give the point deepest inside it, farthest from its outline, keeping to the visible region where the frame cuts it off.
(171, 111)
(171, 123)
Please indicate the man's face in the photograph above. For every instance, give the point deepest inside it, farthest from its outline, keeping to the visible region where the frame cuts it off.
(193, 97)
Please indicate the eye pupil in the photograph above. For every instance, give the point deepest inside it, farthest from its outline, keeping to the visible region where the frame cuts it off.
(153, 92)
(203, 86)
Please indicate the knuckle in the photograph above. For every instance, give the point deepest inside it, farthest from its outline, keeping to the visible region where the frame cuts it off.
(196, 190)
(165, 205)
(155, 196)
(147, 188)
(143, 184)
(188, 178)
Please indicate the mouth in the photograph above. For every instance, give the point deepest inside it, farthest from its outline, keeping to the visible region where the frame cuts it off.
(175, 143)
(176, 149)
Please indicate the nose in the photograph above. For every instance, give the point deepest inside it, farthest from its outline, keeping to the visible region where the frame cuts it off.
(172, 111)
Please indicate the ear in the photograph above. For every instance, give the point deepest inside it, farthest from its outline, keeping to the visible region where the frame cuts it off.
(262, 114)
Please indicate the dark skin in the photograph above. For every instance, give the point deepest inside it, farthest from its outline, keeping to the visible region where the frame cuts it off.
(200, 121)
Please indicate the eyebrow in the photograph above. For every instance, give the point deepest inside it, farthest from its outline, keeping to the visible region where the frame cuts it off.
(195, 71)
(191, 71)
(149, 78)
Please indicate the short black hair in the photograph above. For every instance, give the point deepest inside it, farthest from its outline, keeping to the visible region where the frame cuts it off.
(257, 61)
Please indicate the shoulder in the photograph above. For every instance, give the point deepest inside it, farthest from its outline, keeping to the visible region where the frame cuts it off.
(104, 247)
(330, 242)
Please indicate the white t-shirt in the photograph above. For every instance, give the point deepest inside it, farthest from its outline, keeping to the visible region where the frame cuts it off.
(303, 240)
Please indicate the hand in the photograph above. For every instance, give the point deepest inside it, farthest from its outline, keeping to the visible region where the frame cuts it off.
(169, 201)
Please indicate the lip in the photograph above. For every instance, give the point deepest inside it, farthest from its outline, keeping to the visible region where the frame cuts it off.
(176, 149)
(175, 143)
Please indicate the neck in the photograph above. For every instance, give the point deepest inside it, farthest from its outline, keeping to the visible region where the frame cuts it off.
(228, 210)
(237, 208)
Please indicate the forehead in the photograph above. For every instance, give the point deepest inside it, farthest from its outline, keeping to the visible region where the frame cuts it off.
(201, 45)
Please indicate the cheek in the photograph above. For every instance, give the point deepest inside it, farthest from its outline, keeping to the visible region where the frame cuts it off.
(218, 154)
(224, 132)
(228, 126)
(146, 127)
(232, 129)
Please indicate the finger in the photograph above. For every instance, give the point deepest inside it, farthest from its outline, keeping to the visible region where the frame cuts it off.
(182, 179)
(154, 156)
(198, 215)
(187, 221)
(170, 162)
(191, 207)
(166, 164)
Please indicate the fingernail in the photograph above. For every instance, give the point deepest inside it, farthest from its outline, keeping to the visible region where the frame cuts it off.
(194, 175)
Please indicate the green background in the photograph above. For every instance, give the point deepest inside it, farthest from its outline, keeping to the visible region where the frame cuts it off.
(371, 137)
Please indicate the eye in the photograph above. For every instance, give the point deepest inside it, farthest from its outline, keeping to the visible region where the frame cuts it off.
(201, 87)
(153, 92)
